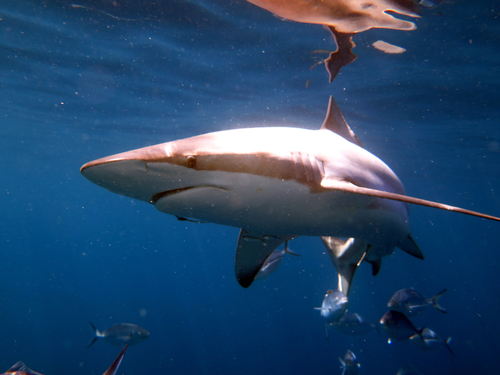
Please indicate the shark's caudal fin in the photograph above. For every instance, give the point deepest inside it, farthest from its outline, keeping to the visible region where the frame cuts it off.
(116, 363)
(252, 252)
(346, 255)
(331, 183)
(335, 122)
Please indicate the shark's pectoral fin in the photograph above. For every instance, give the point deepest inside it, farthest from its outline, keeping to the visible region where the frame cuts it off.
(346, 255)
(334, 183)
(252, 252)
(409, 246)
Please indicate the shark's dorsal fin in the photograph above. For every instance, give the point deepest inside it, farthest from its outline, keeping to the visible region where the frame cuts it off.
(251, 253)
(332, 183)
(335, 122)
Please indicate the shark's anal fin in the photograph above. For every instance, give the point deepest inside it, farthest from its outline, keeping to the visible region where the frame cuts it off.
(251, 253)
(376, 264)
(346, 255)
(331, 183)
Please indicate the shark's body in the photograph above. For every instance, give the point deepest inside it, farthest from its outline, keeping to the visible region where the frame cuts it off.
(274, 184)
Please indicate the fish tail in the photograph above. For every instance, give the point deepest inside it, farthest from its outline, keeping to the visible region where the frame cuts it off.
(97, 334)
(288, 251)
(435, 301)
(447, 343)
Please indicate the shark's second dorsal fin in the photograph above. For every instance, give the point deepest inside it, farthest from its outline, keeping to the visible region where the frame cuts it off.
(335, 122)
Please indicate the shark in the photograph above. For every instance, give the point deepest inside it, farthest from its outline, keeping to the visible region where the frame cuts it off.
(274, 183)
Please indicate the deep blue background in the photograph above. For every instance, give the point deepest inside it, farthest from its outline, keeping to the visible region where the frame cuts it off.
(79, 83)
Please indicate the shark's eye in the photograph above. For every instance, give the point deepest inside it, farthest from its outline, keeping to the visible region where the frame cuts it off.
(191, 161)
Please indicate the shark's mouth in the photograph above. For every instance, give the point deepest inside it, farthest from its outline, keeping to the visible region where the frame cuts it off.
(156, 197)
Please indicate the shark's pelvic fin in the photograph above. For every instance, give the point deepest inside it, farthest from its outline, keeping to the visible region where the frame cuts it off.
(335, 122)
(409, 246)
(346, 255)
(251, 253)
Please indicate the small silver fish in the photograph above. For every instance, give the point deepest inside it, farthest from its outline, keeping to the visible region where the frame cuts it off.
(334, 305)
(120, 334)
(429, 340)
(273, 261)
(20, 369)
(410, 302)
(398, 326)
(349, 364)
(352, 324)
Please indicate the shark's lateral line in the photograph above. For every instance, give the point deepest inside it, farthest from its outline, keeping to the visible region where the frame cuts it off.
(275, 184)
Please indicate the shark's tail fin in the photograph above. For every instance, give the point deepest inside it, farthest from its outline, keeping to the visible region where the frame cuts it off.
(435, 301)
(291, 252)
(97, 334)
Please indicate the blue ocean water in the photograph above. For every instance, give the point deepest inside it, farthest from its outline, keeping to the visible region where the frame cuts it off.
(80, 80)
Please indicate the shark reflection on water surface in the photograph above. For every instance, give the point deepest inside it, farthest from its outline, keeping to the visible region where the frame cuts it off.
(344, 19)
(275, 184)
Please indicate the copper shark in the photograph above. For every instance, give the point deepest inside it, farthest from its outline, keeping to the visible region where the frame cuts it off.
(274, 183)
